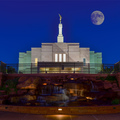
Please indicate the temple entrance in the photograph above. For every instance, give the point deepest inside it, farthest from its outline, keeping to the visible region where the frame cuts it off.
(59, 70)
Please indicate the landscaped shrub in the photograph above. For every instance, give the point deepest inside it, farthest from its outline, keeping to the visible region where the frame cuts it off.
(102, 78)
(10, 85)
(115, 101)
(1, 88)
(111, 78)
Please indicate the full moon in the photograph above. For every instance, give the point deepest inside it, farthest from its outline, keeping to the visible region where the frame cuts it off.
(97, 17)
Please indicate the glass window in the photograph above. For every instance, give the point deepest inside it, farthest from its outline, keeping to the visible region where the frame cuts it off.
(60, 57)
(56, 57)
(64, 57)
(36, 61)
(84, 61)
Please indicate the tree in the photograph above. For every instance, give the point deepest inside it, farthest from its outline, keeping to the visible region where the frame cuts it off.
(10, 69)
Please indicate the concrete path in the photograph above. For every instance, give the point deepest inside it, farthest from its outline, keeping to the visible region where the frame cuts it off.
(22, 116)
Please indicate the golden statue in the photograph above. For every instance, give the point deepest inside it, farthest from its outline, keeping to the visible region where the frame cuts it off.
(60, 18)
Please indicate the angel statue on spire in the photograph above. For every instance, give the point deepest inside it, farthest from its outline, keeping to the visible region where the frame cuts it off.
(60, 18)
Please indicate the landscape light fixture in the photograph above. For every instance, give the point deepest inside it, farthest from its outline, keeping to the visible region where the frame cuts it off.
(59, 109)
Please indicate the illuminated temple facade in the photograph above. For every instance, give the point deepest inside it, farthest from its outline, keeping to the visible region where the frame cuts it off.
(60, 57)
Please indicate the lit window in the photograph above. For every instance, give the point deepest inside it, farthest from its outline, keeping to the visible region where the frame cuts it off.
(64, 57)
(60, 57)
(56, 57)
(36, 61)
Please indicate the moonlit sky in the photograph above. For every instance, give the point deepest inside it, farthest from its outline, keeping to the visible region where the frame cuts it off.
(28, 23)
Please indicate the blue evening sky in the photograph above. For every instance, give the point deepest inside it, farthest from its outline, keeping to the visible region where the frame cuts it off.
(28, 23)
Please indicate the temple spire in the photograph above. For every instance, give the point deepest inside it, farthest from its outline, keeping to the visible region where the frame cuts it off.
(60, 37)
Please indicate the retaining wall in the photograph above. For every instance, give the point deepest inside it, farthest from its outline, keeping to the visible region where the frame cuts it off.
(58, 75)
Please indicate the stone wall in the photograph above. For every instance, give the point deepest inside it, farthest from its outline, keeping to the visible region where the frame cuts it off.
(48, 50)
(61, 76)
(35, 53)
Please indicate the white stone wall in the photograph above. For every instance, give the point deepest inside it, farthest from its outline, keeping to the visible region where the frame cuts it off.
(84, 53)
(73, 53)
(59, 48)
(48, 50)
(35, 53)
(46, 53)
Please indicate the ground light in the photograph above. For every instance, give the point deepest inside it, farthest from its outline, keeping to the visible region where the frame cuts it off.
(59, 109)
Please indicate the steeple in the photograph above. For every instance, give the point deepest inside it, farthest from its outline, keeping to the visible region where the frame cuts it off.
(60, 37)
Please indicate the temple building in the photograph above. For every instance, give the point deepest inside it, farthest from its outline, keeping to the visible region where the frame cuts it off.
(60, 57)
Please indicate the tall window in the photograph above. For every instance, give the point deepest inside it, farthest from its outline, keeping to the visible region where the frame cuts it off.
(84, 61)
(64, 57)
(36, 61)
(60, 57)
(56, 57)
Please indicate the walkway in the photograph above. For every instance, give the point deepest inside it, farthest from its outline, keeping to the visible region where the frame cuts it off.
(21, 116)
